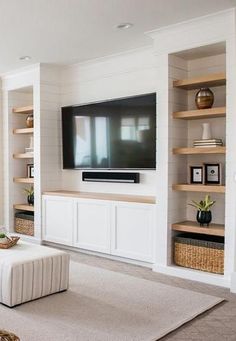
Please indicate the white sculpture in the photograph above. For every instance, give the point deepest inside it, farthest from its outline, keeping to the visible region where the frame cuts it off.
(206, 131)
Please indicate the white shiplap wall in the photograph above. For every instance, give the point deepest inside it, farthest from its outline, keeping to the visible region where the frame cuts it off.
(124, 75)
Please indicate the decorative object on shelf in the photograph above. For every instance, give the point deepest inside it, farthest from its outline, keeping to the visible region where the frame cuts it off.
(30, 149)
(196, 174)
(30, 195)
(208, 143)
(30, 121)
(24, 223)
(213, 173)
(204, 215)
(204, 98)
(206, 131)
(200, 252)
(30, 170)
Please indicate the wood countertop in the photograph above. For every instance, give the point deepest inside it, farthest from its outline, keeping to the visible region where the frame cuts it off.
(103, 196)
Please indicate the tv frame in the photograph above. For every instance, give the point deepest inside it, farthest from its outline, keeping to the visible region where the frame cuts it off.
(111, 168)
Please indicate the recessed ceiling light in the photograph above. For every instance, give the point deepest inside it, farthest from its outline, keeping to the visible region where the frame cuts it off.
(25, 58)
(124, 26)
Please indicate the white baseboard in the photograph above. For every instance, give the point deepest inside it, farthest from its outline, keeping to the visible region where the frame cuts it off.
(194, 275)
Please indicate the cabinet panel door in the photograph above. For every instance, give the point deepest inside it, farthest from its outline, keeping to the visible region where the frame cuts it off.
(132, 231)
(58, 220)
(93, 226)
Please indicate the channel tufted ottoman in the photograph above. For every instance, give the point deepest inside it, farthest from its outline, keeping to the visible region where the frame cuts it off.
(29, 271)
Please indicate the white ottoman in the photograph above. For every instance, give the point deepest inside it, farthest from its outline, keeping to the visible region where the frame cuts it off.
(29, 271)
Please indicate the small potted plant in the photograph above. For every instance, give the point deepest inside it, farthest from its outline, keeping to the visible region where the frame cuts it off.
(3, 238)
(30, 195)
(204, 215)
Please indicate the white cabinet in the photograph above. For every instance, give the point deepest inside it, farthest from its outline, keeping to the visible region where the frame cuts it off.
(92, 230)
(118, 228)
(132, 231)
(58, 220)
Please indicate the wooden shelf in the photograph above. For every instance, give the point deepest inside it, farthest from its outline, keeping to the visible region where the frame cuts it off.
(200, 113)
(23, 156)
(199, 150)
(194, 227)
(24, 180)
(24, 207)
(199, 188)
(23, 131)
(23, 110)
(202, 81)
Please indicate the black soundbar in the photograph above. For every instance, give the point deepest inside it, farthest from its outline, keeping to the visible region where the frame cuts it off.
(110, 177)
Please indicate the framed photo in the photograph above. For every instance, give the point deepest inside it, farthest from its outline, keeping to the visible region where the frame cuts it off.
(196, 174)
(213, 173)
(30, 170)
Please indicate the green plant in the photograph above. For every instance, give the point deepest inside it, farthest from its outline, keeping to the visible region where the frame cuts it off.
(203, 205)
(2, 235)
(29, 191)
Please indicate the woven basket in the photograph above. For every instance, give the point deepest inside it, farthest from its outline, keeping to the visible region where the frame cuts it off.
(201, 253)
(24, 224)
(8, 336)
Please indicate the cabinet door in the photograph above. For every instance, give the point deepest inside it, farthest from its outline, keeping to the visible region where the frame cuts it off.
(132, 231)
(58, 217)
(92, 230)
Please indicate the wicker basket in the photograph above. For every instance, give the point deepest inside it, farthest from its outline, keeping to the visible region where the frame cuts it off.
(24, 223)
(200, 252)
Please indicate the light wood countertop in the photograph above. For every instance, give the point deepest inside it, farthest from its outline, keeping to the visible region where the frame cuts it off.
(103, 196)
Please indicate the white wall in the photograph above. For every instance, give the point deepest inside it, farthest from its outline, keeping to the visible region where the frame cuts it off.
(124, 75)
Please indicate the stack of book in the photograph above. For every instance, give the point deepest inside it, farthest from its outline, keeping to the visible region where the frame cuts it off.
(208, 143)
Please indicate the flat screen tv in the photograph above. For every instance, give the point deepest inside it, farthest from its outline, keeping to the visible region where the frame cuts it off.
(116, 134)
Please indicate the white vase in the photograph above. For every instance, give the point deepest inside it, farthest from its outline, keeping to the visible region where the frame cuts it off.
(206, 131)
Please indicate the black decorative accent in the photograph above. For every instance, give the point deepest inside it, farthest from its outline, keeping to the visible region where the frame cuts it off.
(111, 177)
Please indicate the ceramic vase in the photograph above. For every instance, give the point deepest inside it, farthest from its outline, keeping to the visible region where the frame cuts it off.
(206, 131)
(204, 217)
(204, 98)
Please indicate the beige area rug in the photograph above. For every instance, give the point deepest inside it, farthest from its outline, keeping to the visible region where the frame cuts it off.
(103, 305)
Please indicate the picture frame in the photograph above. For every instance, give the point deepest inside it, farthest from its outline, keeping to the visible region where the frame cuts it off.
(196, 174)
(213, 173)
(30, 170)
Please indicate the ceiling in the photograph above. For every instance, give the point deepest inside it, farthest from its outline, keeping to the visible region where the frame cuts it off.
(70, 31)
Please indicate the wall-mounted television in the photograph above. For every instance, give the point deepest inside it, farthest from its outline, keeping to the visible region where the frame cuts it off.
(115, 134)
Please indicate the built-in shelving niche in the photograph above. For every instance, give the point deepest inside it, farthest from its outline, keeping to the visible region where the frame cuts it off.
(20, 106)
(188, 71)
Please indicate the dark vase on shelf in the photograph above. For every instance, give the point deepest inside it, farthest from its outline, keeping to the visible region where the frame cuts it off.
(30, 199)
(204, 98)
(204, 217)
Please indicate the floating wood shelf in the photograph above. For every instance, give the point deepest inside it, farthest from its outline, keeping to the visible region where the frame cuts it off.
(203, 81)
(23, 110)
(23, 131)
(200, 113)
(23, 156)
(194, 227)
(199, 150)
(199, 188)
(24, 180)
(24, 207)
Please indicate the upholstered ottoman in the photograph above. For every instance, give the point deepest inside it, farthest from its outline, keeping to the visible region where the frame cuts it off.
(29, 271)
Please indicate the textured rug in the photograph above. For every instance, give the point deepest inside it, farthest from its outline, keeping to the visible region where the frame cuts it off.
(103, 305)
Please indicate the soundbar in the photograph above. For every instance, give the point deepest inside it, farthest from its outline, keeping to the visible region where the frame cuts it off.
(110, 177)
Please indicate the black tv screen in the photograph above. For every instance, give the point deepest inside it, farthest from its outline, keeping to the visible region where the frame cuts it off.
(116, 134)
